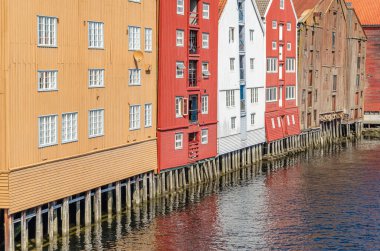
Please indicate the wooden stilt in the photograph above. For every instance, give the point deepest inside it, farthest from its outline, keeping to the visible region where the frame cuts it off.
(145, 187)
(39, 227)
(24, 231)
(9, 234)
(65, 217)
(136, 193)
(98, 205)
(110, 200)
(118, 196)
(51, 221)
(87, 208)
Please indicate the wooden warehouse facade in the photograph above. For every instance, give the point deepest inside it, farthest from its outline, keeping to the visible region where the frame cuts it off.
(331, 73)
(369, 15)
(77, 97)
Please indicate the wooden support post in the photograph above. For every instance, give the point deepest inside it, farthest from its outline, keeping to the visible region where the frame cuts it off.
(191, 175)
(65, 217)
(176, 180)
(9, 234)
(109, 200)
(87, 208)
(163, 183)
(39, 227)
(24, 231)
(179, 179)
(98, 204)
(136, 193)
(51, 220)
(145, 187)
(151, 186)
(197, 170)
(118, 196)
(159, 185)
(77, 213)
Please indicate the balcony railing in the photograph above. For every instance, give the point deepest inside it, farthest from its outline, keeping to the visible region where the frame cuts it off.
(193, 116)
(193, 151)
(193, 43)
(193, 18)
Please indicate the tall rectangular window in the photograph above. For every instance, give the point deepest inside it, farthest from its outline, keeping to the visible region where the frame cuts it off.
(95, 35)
(271, 94)
(253, 115)
(230, 98)
(204, 104)
(231, 35)
(148, 39)
(252, 63)
(134, 117)
(204, 136)
(96, 123)
(69, 127)
(205, 71)
(134, 38)
(290, 64)
(333, 39)
(179, 107)
(282, 4)
(251, 35)
(178, 141)
(134, 77)
(289, 46)
(180, 38)
(205, 40)
(206, 11)
(180, 7)
(335, 82)
(180, 67)
(148, 115)
(47, 31)
(233, 122)
(232, 64)
(47, 80)
(271, 65)
(289, 26)
(274, 25)
(290, 92)
(254, 95)
(96, 78)
(47, 128)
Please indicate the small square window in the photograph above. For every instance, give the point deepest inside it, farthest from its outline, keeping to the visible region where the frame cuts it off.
(95, 78)
(205, 40)
(205, 70)
(206, 11)
(289, 26)
(274, 45)
(178, 141)
(289, 46)
(204, 136)
(274, 25)
(180, 67)
(180, 38)
(180, 7)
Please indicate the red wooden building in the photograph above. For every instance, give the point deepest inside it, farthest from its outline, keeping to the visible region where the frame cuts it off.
(187, 81)
(281, 117)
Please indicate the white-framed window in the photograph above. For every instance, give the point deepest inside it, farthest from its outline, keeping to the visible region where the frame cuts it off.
(271, 94)
(205, 40)
(47, 130)
(206, 11)
(134, 76)
(293, 120)
(289, 46)
(282, 4)
(134, 37)
(69, 127)
(288, 119)
(252, 63)
(180, 7)
(271, 65)
(204, 104)
(273, 124)
(179, 107)
(251, 35)
(96, 123)
(178, 141)
(148, 39)
(279, 122)
(205, 71)
(180, 38)
(274, 45)
(274, 25)
(290, 92)
(96, 35)
(96, 78)
(289, 26)
(148, 115)
(232, 64)
(253, 115)
(230, 98)
(231, 35)
(233, 122)
(254, 95)
(134, 117)
(47, 31)
(47, 80)
(180, 69)
(290, 64)
(204, 136)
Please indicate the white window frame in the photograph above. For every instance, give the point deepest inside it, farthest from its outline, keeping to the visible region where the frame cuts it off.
(289, 46)
(47, 80)
(271, 94)
(279, 122)
(232, 64)
(148, 108)
(253, 115)
(180, 69)
(205, 40)
(290, 92)
(180, 7)
(205, 70)
(178, 107)
(274, 25)
(178, 141)
(273, 123)
(251, 35)
(293, 120)
(204, 103)
(233, 122)
(47, 32)
(134, 117)
(95, 35)
(204, 136)
(48, 136)
(272, 65)
(274, 45)
(231, 35)
(148, 39)
(206, 11)
(288, 26)
(69, 131)
(282, 4)
(134, 77)
(252, 63)
(230, 98)
(95, 78)
(180, 38)
(95, 123)
(290, 65)
(134, 38)
(254, 95)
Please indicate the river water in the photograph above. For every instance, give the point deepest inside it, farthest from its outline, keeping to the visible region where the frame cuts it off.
(322, 199)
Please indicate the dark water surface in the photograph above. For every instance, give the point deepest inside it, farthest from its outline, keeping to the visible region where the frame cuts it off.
(323, 199)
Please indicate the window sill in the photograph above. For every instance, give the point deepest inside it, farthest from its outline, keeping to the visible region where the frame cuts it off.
(68, 142)
(134, 129)
(52, 90)
(95, 136)
(96, 87)
(49, 145)
(96, 48)
(47, 46)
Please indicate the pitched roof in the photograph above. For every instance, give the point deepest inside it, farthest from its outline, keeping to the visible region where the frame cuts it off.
(368, 11)
(302, 5)
(222, 4)
(262, 5)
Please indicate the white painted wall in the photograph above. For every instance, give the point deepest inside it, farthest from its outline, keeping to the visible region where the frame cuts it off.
(229, 139)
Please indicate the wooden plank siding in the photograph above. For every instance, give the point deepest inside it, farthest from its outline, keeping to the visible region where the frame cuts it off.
(4, 190)
(33, 186)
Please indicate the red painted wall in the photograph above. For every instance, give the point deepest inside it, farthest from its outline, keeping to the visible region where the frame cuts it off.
(169, 86)
(372, 91)
(289, 107)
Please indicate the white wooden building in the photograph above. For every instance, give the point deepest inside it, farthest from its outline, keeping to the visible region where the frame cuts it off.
(241, 76)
